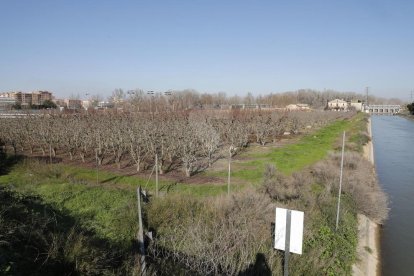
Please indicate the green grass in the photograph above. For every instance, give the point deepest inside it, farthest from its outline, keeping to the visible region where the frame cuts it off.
(108, 208)
(291, 158)
(358, 133)
(107, 211)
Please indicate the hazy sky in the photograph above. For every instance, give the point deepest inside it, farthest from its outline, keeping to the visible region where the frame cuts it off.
(74, 47)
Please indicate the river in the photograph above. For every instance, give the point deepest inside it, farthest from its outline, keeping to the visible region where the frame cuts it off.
(393, 138)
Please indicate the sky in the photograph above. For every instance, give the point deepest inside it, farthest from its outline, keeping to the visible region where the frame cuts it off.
(83, 46)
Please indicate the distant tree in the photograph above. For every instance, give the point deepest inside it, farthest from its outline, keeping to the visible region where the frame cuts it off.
(411, 108)
(17, 106)
(95, 99)
(49, 104)
(249, 99)
(118, 96)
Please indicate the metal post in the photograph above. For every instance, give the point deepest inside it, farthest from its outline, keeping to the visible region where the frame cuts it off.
(228, 178)
(287, 243)
(140, 232)
(97, 167)
(340, 181)
(50, 153)
(156, 174)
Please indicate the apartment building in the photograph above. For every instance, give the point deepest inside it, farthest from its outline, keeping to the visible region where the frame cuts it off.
(28, 99)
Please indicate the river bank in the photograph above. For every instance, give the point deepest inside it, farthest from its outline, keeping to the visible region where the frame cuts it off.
(368, 251)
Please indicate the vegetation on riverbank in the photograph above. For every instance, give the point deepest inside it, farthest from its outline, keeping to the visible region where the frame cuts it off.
(209, 234)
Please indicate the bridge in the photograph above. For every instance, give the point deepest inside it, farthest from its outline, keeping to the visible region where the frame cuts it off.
(390, 109)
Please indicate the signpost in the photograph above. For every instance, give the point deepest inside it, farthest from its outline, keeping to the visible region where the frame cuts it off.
(340, 181)
(288, 233)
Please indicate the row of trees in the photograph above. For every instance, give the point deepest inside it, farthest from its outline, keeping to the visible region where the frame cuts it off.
(190, 99)
(191, 141)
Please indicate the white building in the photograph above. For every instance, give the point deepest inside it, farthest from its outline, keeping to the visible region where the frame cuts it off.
(86, 104)
(338, 104)
(297, 107)
(357, 105)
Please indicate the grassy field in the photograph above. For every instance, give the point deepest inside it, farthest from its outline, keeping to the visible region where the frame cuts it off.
(108, 208)
(105, 206)
(250, 164)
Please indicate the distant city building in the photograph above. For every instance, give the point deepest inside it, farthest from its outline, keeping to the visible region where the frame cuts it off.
(357, 105)
(337, 104)
(28, 99)
(73, 104)
(86, 104)
(6, 103)
(39, 97)
(249, 106)
(297, 107)
(105, 104)
(60, 102)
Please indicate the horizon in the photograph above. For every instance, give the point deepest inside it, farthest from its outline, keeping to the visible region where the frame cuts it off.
(233, 47)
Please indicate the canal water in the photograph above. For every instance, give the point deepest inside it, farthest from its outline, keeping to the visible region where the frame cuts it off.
(393, 138)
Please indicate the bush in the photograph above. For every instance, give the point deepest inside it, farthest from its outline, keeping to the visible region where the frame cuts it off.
(279, 187)
(359, 181)
(215, 236)
(410, 108)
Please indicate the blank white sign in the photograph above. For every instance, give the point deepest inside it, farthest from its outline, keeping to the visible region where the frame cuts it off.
(296, 230)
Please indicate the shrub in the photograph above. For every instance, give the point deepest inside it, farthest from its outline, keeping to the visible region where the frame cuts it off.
(277, 186)
(359, 181)
(214, 236)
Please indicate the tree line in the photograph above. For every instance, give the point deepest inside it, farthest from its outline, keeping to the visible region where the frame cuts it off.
(140, 100)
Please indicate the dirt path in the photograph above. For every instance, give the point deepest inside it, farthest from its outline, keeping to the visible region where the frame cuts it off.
(368, 233)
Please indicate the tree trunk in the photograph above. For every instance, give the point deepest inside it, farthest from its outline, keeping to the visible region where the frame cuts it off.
(188, 171)
(82, 156)
(50, 154)
(118, 160)
(160, 167)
